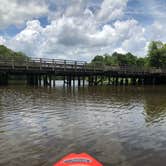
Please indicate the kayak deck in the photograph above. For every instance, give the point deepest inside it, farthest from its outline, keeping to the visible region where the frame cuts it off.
(81, 159)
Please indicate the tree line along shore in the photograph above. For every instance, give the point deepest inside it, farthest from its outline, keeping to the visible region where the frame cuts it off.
(156, 57)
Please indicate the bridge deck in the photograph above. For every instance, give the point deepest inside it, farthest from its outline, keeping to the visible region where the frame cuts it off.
(62, 67)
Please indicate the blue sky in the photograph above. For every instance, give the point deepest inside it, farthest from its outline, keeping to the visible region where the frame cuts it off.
(81, 29)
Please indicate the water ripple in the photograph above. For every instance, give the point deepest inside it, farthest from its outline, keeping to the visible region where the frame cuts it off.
(119, 125)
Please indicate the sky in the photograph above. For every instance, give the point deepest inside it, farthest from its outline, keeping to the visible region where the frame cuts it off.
(81, 29)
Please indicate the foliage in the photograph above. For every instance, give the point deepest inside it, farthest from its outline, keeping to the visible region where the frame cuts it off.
(157, 54)
(156, 57)
(6, 53)
(117, 59)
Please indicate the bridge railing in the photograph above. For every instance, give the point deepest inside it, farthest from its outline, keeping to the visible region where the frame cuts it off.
(135, 69)
(55, 64)
(41, 63)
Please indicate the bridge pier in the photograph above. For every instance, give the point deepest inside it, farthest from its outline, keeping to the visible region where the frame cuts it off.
(83, 81)
(126, 81)
(39, 79)
(116, 81)
(64, 80)
(79, 81)
(36, 79)
(139, 81)
(121, 81)
(89, 80)
(69, 81)
(3, 79)
(133, 81)
(45, 80)
(102, 79)
(50, 80)
(54, 80)
(31, 80)
(95, 80)
(109, 80)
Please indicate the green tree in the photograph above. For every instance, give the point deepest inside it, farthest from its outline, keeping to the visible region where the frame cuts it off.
(98, 58)
(7, 54)
(155, 54)
(141, 62)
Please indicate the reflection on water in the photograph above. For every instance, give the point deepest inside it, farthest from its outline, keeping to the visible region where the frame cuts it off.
(120, 125)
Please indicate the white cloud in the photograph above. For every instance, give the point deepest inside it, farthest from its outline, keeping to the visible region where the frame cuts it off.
(156, 31)
(70, 38)
(28, 40)
(18, 11)
(2, 40)
(77, 32)
(111, 10)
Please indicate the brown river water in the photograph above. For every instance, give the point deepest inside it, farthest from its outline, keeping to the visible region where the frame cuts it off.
(120, 126)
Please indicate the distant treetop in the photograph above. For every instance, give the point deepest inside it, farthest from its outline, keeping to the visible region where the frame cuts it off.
(156, 57)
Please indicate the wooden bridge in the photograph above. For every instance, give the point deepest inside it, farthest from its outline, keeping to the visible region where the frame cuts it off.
(43, 72)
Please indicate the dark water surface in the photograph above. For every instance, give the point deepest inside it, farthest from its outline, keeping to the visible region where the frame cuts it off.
(125, 126)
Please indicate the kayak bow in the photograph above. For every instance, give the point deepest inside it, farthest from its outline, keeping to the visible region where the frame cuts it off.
(74, 159)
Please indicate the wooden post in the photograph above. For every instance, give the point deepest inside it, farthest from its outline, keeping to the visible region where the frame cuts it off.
(126, 81)
(39, 79)
(53, 67)
(40, 63)
(79, 81)
(113, 81)
(83, 81)
(89, 80)
(116, 81)
(133, 81)
(0, 79)
(75, 66)
(5, 79)
(69, 81)
(54, 78)
(50, 80)
(45, 80)
(27, 64)
(85, 66)
(94, 67)
(12, 63)
(109, 80)
(64, 65)
(139, 81)
(102, 80)
(64, 80)
(95, 82)
(121, 81)
(73, 81)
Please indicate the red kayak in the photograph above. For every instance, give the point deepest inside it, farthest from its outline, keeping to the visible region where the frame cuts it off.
(82, 159)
